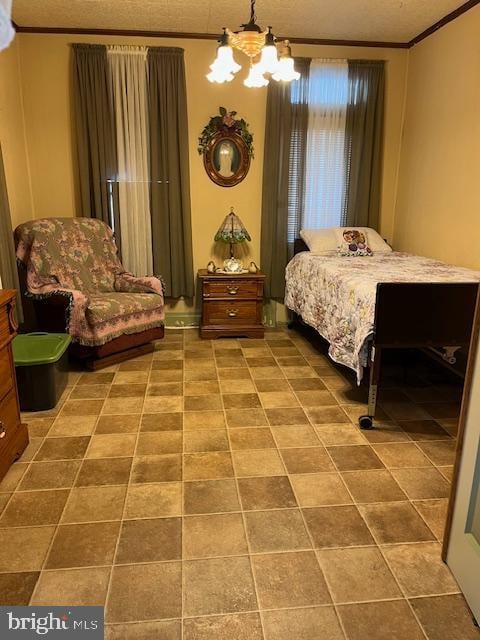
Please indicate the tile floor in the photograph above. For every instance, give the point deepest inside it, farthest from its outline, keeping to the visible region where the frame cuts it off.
(222, 490)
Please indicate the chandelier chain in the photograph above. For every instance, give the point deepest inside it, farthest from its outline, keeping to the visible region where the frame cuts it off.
(253, 17)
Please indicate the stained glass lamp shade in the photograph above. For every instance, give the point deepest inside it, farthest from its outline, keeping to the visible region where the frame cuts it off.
(232, 231)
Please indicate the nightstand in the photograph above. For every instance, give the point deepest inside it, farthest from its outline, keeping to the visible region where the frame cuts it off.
(232, 304)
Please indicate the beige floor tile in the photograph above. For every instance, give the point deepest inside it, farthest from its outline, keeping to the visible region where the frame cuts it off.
(246, 418)
(273, 492)
(213, 496)
(165, 389)
(339, 434)
(73, 426)
(24, 549)
(210, 402)
(96, 378)
(289, 416)
(172, 375)
(127, 390)
(202, 441)
(434, 512)
(304, 623)
(395, 522)
(17, 588)
(111, 445)
(295, 436)
(158, 443)
(83, 545)
(12, 478)
(386, 432)
(275, 385)
(131, 377)
(240, 626)
(202, 387)
(320, 489)
(380, 620)
(214, 536)
(307, 384)
(31, 508)
(50, 475)
(315, 398)
(355, 575)
(278, 399)
(161, 629)
(373, 486)
(221, 585)
(162, 468)
(194, 420)
(145, 592)
(289, 580)
(81, 408)
(149, 540)
(239, 373)
(424, 430)
(154, 500)
(267, 373)
(308, 460)
(120, 406)
(401, 455)
(117, 424)
(84, 587)
(251, 438)
(207, 466)
(40, 428)
(420, 569)
(162, 422)
(241, 401)
(421, 484)
(259, 462)
(104, 471)
(446, 617)
(327, 415)
(355, 458)
(163, 404)
(338, 526)
(281, 530)
(237, 386)
(90, 504)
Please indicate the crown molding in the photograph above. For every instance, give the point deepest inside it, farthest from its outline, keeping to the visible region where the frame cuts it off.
(453, 15)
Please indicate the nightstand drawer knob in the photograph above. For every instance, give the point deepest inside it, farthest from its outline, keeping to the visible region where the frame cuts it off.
(232, 313)
(3, 432)
(233, 291)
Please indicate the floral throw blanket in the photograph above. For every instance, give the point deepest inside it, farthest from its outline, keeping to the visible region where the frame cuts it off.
(336, 295)
(77, 258)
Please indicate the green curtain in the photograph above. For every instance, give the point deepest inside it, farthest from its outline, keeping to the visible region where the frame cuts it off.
(364, 142)
(169, 171)
(95, 134)
(283, 175)
(8, 263)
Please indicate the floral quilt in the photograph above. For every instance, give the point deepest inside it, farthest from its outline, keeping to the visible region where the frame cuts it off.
(77, 258)
(336, 295)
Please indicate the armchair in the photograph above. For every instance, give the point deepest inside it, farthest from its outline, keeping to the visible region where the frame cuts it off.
(73, 274)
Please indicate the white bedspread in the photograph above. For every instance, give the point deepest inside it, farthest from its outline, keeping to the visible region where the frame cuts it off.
(336, 295)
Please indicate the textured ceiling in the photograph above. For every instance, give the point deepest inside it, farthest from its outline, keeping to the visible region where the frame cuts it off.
(375, 20)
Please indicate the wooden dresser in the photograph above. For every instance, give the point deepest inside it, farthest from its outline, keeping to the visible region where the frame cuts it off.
(232, 305)
(13, 434)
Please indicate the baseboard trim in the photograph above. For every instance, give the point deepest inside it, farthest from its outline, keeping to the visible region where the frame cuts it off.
(182, 320)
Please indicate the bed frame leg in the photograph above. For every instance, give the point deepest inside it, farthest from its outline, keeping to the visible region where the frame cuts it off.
(366, 422)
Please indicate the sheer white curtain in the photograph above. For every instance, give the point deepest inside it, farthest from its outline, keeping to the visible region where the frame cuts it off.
(325, 173)
(7, 32)
(128, 68)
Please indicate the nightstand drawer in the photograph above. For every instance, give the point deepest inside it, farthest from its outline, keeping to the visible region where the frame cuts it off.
(9, 417)
(234, 313)
(7, 375)
(232, 289)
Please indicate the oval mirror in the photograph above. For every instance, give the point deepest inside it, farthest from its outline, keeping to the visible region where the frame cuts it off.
(226, 159)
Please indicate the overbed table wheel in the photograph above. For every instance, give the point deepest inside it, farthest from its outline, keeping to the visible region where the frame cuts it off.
(365, 422)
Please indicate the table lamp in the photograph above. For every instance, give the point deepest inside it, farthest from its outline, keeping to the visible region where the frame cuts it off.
(232, 231)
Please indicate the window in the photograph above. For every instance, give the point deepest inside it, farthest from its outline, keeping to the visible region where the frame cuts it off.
(317, 162)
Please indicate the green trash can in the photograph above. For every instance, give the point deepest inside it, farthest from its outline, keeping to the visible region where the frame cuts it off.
(41, 366)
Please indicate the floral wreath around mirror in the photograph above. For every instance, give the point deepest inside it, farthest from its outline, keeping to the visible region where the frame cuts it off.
(227, 124)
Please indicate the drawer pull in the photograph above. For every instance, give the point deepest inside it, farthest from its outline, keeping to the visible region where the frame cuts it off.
(3, 432)
(232, 313)
(233, 291)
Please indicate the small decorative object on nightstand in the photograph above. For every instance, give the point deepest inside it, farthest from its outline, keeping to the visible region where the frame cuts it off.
(232, 304)
(232, 231)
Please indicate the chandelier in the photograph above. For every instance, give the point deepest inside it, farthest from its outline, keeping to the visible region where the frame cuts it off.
(267, 59)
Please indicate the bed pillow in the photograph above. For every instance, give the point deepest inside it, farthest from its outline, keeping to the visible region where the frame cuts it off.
(352, 242)
(320, 241)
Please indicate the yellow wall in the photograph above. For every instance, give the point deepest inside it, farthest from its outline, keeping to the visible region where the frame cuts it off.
(12, 136)
(45, 63)
(438, 204)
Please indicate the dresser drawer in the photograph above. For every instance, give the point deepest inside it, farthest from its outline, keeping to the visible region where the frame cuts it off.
(6, 372)
(4, 325)
(232, 289)
(239, 312)
(9, 417)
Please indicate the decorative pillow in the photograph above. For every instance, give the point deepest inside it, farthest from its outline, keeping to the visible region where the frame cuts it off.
(375, 240)
(352, 242)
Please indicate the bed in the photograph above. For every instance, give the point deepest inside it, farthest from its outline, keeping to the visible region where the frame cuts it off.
(390, 300)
